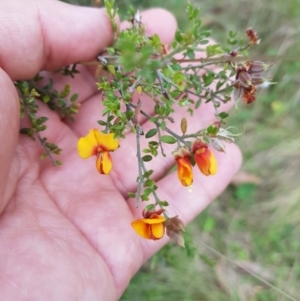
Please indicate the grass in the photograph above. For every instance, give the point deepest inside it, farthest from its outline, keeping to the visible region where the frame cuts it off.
(245, 245)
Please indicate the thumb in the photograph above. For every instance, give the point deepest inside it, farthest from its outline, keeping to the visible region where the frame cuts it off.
(9, 133)
(48, 34)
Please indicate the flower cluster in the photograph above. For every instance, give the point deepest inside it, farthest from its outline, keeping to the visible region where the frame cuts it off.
(203, 156)
(248, 78)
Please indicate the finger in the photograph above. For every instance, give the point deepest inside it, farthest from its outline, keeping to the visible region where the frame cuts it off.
(188, 205)
(48, 35)
(9, 132)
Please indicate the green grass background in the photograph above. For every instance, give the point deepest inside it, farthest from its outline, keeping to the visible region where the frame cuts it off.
(253, 225)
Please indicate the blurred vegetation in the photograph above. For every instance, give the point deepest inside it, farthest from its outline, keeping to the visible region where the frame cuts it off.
(254, 224)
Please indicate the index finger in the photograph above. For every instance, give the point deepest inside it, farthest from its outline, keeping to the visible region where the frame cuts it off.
(49, 35)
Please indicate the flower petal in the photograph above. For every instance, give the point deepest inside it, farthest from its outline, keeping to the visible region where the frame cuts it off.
(106, 142)
(185, 171)
(104, 163)
(213, 164)
(157, 230)
(206, 161)
(141, 228)
(156, 220)
(87, 146)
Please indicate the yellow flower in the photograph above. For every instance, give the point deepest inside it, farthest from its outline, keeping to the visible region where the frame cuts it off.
(185, 171)
(184, 167)
(151, 226)
(98, 144)
(204, 157)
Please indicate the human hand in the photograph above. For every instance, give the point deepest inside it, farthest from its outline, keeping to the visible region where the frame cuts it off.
(65, 232)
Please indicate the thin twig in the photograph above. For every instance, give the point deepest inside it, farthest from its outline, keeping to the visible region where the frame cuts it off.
(164, 92)
(43, 144)
(133, 86)
(160, 144)
(140, 166)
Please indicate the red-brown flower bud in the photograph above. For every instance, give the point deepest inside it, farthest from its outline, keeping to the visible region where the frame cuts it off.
(249, 95)
(252, 36)
(233, 53)
(175, 227)
(257, 66)
(244, 79)
(257, 80)
(149, 213)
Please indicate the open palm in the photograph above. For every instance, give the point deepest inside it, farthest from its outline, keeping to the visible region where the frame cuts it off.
(65, 232)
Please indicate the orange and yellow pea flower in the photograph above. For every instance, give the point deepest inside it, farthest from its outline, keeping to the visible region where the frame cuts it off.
(204, 158)
(98, 144)
(184, 167)
(151, 226)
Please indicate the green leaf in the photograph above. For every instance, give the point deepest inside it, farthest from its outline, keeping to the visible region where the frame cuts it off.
(111, 69)
(208, 78)
(150, 207)
(204, 42)
(163, 125)
(65, 92)
(178, 36)
(212, 130)
(41, 120)
(148, 173)
(144, 197)
(131, 195)
(147, 191)
(151, 133)
(191, 54)
(163, 203)
(41, 128)
(147, 158)
(232, 34)
(198, 103)
(223, 115)
(46, 98)
(101, 122)
(149, 183)
(74, 97)
(168, 139)
(43, 156)
(26, 131)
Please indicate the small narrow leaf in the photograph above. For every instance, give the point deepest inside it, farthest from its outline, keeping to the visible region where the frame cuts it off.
(223, 115)
(74, 97)
(147, 158)
(168, 139)
(151, 133)
(111, 69)
(131, 194)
